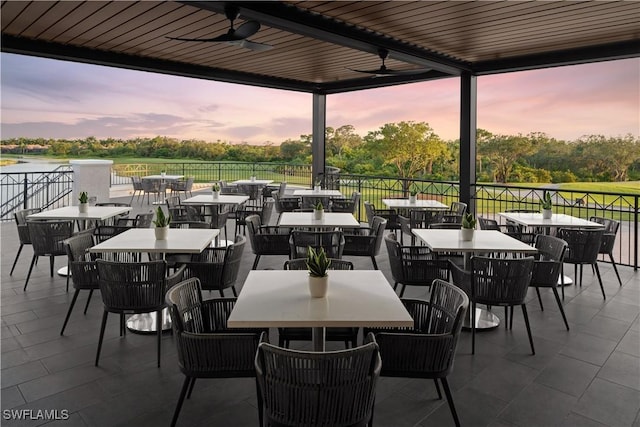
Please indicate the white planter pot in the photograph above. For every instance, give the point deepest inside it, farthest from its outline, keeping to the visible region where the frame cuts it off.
(412, 199)
(163, 174)
(161, 233)
(316, 189)
(318, 286)
(466, 234)
(253, 178)
(216, 194)
(83, 207)
(547, 213)
(318, 214)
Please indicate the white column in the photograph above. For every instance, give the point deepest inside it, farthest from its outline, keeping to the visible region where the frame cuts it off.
(92, 176)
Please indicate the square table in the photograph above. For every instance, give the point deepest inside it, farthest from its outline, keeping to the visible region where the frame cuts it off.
(96, 213)
(418, 204)
(178, 240)
(329, 220)
(261, 182)
(222, 199)
(317, 193)
(531, 219)
(164, 177)
(484, 241)
(280, 298)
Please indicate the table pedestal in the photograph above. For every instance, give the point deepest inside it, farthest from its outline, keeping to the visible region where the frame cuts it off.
(485, 320)
(145, 323)
(317, 337)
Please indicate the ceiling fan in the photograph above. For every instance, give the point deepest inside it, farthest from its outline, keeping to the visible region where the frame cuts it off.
(384, 71)
(236, 36)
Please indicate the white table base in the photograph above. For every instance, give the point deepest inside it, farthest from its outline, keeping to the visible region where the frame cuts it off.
(485, 320)
(145, 323)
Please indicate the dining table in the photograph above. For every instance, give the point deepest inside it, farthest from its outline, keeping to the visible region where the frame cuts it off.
(330, 220)
(222, 199)
(258, 182)
(143, 240)
(425, 204)
(164, 177)
(316, 193)
(281, 298)
(484, 241)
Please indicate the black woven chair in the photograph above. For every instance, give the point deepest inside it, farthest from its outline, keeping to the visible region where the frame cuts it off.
(428, 349)
(365, 241)
(175, 208)
(155, 187)
(182, 185)
(112, 220)
(299, 388)
(136, 181)
(514, 231)
(47, 239)
(143, 220)
(217, 268)
(267, 240)
(346, 205)
(82, 268)
(547, 268)
(584, 247)
(23, 231)
(105, 232)
(332, 241)
(206, 347)
(346, 334)
(608, 239)
(243, 212)
(414, 265)
(134, 288)
(281, 203)
(391, 215)
(496, 282)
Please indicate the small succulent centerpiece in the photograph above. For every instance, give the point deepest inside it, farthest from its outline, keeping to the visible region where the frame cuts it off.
(546, 204)
(318, 210)
(162, 224)
(318, 265)
(413, 194)
(317, 185)
(468, 226)
(252, 178)
(215, 189)
(163, 173)
(84, 202)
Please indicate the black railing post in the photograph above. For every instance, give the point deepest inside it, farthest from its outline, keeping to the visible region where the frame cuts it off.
(635, 236)
(24, 192)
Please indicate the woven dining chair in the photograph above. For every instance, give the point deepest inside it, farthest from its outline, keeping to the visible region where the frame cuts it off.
(301, 388)
(608, 239)
(267, 239)
(23, 231)
(332, 241)
(365, 241)
(47, 239)
(584, 247)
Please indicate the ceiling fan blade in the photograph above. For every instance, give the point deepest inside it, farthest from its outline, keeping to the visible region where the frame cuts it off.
(246, 30)
(381, 72)
(255, 46)
(182, 39)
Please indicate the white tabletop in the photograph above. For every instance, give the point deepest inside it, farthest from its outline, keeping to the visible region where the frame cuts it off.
(144, 240)
(557, 220)
(418, 204)
(254, 182)
(223, 199)
(167, 177)
(73, 213)
(483, 241)
(318, 193)
(329, 219)
(279, 298)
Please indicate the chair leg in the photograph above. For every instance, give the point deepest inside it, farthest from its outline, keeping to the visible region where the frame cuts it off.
(235, 293)
(581, 271)
(33, 262)
(221, 292)
(610, 257)
(452, 407)
(375, 264)
(159, 332)
(402, 290)
(435, 381)
(183, 392)
(595, 265)
(511, 319)
(86, 306)
(473, 328)
(506, 317)
(562, 280)
(73, 302)
(102, 327)
(15, 261)
(564, 317)
(255, 262)
(193, 383)
(51, 262)
(539, 299)
(526, 322)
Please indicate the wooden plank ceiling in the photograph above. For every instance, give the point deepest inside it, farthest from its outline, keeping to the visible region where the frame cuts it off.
(317, 44)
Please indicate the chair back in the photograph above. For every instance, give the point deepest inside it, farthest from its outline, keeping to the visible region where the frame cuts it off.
(301, 264)
(83, 269)
(282, 188)
(500, 281)
(488, 224)
(414, 265)
(548, 266)
(194, 213)
(370, 211)
(377, 229)
(343, 205)
(267, 210)
(458, 208)
(137, 183)
(47, 237)
(288, 204)
(420, 218)
(610, 231)
(583, 245)
(217, 267)
(137, 287)
(21, 222)
(144, 220)
(173, 202)
(329, 388)
(104, 232)
(189, 224)
(331, 241)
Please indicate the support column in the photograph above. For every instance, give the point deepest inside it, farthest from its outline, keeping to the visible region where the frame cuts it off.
(468, 127)
(318, 131)
(92, 176)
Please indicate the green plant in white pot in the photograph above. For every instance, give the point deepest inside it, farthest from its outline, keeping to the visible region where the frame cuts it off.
(413, 194)
(215, 189)
(546, 204)
(162, 224)
(468, 227)
(318, 265)
(318, 210)
(317, 186)
(83, 207)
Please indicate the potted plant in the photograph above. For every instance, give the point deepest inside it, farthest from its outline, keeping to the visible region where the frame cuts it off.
(252, 178)
(162, 224)
(318, 210)
(162, 173)
(318, 185)
(413, 194)
(468, 226)
(215, 188)
(318, 265)
(546, 204)
(84, 202)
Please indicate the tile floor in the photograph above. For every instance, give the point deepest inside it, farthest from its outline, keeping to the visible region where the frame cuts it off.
(588, 376)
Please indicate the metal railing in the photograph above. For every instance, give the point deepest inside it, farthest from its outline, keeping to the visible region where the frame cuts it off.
(45, 189)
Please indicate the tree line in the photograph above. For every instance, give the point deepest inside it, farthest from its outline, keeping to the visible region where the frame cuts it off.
(404, 149)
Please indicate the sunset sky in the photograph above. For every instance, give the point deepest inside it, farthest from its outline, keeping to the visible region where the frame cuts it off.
(57, 99)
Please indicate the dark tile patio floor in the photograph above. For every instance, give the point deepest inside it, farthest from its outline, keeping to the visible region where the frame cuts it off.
(588, 376)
